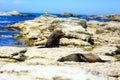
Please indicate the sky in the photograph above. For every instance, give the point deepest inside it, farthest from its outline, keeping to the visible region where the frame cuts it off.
(60, 6)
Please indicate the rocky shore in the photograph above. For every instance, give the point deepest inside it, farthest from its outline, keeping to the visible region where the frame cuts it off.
(33, 63)
(114, 17)
(15, 13)
(69, 14)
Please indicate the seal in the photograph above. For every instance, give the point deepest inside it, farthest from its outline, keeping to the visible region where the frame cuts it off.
(54, 39)
(78, 57)
(91, 40)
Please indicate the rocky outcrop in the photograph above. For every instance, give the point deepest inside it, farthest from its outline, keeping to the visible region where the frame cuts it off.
(105, 32)
(99, 38)
(114, 17)
(78, 33)
(41, 63)
(69, 14)
(13, 53)
(15, 13)
(36, 32)
(92, 35)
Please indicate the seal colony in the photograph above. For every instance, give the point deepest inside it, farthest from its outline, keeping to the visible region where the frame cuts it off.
(53, 41)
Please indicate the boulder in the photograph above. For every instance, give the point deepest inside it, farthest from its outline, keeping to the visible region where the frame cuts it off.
(14, 53)
(78, 33)
(45, 60)
(69, 14)
(15, 13)
(103, 50)
(22, 71)
(36, 32)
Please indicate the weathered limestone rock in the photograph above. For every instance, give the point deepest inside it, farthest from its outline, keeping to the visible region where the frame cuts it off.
(77, 32)
(15, 13)
(114, 17)
(35, 32)
(14, 53)
(40, 72)
(105, 32)
(103, 50)
(69, 14)
(42, 64)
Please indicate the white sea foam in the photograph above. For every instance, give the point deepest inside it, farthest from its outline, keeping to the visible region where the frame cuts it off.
(5, 21)
(4, 14)
(6, 36)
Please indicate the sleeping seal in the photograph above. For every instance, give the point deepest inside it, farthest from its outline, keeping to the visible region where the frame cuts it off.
(78, 57)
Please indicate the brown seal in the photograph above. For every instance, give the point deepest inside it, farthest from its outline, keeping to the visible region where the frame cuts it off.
(81, 58)
(91, 40)
(54, 39)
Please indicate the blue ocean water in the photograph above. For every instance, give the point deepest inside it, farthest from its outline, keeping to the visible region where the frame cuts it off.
(6, 38)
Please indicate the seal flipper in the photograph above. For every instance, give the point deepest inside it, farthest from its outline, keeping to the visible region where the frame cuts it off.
(82, 58)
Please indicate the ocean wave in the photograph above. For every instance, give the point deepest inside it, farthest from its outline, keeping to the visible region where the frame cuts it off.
(6, 21)
(5, 15)
(7, 32)
(6, 36)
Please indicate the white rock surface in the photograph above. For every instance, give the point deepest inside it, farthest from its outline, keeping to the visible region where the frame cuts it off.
(42, 64)
(20, 71)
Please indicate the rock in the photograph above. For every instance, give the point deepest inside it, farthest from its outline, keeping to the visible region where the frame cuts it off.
(9, 28)
(117, 51)
(83, 23)
(45, 60)
(15, 13)
(103, 50)
(77, 32)
(110, 68)
(12, 53)
(69, 14)
(89, 16)
(113, 17)
(95, 24)
(23, 71)
(74, 42)
(109, 50)
(105, 34)
(79, 37)
(107, 58)
(21, 15)
(53, 53)
(36, 32)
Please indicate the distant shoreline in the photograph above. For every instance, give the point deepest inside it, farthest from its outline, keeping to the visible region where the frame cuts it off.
(15, 13)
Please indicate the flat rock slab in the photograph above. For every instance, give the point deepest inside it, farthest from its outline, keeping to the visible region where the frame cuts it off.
(42, 64)
(21, 71)
(12, 52)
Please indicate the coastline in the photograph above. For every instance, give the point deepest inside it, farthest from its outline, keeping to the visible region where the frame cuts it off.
(28, 62)
(34, 63)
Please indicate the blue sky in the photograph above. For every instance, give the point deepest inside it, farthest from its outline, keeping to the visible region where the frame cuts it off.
(60, 6)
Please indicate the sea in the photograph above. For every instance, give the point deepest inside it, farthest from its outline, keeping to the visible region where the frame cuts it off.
(6, 38)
